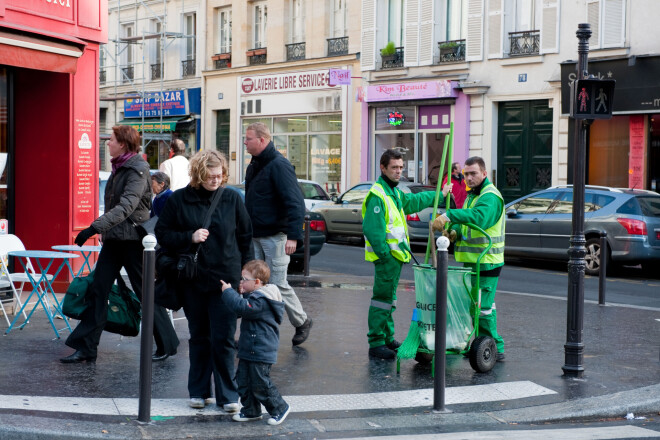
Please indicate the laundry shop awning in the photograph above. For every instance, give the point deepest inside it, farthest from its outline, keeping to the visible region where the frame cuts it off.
(152, 125)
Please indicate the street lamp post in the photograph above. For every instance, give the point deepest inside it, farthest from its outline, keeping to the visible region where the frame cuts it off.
(574, 347)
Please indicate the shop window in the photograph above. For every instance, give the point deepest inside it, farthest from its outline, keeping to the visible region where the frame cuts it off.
(325, 160)
(291, 124)
(222, 132)
(405, 143)
(325, 123)
(395, 118)
(608, 150)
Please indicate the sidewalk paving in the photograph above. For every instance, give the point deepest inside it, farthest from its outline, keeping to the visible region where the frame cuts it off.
(621, 374)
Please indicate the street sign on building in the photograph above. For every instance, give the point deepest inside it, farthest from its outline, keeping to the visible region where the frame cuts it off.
(592, 98)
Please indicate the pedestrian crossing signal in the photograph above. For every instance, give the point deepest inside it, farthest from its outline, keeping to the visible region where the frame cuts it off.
(592, 98)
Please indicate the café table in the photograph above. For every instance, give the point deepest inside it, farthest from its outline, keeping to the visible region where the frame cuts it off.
(43, 261)
(85, 251)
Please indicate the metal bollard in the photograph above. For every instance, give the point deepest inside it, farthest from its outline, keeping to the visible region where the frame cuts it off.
(146, 342)
(440, 326)
(308, 222)
(603, 268)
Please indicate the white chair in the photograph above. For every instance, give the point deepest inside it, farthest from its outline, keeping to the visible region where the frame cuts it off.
(13, 282)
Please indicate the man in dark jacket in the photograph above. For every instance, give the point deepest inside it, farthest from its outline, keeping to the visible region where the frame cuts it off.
(277, 211)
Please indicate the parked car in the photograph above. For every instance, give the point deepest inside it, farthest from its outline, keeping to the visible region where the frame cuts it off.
(312, 192)
(316, 232)
(539, 225)
(344, 216)
(103, 181)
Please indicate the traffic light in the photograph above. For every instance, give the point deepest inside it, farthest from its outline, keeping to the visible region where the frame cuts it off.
(592, 98)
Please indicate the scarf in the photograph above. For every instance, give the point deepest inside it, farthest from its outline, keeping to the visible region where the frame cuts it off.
(120, 160)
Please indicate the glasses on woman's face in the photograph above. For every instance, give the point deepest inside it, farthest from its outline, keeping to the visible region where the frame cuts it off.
(247, 279)
(213, 177)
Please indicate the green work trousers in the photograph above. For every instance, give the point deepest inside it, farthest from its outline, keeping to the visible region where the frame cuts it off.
(488, 314)
(383, 301)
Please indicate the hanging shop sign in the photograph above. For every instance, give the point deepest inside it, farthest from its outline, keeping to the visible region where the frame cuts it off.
(173, 103)
(340, 77)
(285, 82)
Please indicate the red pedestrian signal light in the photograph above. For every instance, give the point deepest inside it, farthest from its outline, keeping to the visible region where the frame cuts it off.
(592, 98)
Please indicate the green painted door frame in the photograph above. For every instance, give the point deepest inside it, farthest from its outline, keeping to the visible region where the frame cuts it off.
(524, 148)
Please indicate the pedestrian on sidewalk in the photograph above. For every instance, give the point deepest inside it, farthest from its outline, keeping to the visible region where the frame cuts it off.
(127, 202)
(222, 249)
(277, 210)
(483, 207)
(160, 185)
(458, 189)
(261, 309)
(177, 166)
(387, 245)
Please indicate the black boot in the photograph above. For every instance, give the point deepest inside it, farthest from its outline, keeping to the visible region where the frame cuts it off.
(78, 357)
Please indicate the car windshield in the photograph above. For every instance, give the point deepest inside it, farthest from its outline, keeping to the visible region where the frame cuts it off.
(421, 188)
(650, 205)
(356, 195)
(312, 191)
(537, 204)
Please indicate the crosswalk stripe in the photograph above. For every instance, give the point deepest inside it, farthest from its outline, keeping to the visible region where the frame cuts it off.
(332, 402)
(610, 432)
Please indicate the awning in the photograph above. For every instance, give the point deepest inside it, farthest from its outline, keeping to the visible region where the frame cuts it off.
(154, 124)
(31, 52)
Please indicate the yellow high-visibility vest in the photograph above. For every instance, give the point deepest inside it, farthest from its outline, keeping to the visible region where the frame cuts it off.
(396, 229)
(472, 242)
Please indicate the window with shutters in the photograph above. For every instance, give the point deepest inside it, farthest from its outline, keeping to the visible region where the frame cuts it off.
(395, 22)
(224, 30)
(259, 25)
(523, 36)
(156, 50)
(338, 25)
(297, 29)
(127, 53)
(188, 64)
(452, 30)
(607, 19)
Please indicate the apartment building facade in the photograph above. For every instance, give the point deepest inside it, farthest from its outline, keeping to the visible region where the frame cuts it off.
(269, 61)
(150, 74)
(500, 71)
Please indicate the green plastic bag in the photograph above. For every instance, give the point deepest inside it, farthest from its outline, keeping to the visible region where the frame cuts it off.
(459, 320)
(124, 309)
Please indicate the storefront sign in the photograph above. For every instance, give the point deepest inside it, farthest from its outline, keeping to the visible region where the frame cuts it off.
(50, 8)
(412, 90)
(636, 155)
(340, 77)
(83, 173)
(172, 104)
(285, 82)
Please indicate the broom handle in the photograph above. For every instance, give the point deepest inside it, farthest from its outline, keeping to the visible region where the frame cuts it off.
(438, 191)
(449, 161)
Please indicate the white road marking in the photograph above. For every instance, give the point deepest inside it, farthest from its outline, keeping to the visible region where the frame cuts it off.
(587, 301)
(333, 402)
(611, 432)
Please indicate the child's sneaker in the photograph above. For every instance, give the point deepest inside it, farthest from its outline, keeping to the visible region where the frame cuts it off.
(276, 420)
(197, 403)
(231, 408)
(240, 417)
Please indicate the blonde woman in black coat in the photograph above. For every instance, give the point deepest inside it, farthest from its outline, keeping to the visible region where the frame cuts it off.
(224, 247)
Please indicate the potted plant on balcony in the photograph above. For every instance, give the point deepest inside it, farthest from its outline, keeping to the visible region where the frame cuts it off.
(260, 51)
(449, 50)
(388, 53)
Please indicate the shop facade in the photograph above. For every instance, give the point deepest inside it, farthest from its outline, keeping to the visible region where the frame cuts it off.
(49, 110)
(415, 118)
(310, 120)
(623, 151)
(162, 117)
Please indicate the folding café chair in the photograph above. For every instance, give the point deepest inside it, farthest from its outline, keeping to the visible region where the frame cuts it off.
(11, 283)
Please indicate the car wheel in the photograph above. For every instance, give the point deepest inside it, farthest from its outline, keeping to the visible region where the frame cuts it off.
(593, 256)
(483, 354)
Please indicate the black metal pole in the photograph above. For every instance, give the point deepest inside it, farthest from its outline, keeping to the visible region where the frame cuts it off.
(147, 331)
(308, 222)
(602, 272)
(440, 326)
(574, 348)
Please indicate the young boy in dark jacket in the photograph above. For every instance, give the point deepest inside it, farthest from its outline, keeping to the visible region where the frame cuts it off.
(261, 309)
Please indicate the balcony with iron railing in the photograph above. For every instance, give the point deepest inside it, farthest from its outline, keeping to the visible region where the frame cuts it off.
(392, 61)
(337, 46)
(222, 60)
(524, 43)
(256, 56)
(156, 71)
(188, 68)
(127, 74)
(451, 51)
(295, 51)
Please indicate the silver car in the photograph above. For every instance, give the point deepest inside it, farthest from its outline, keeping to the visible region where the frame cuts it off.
(539, 225)
(343, 216)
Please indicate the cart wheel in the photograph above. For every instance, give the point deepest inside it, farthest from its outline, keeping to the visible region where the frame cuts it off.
(424, 358)
(483, 354)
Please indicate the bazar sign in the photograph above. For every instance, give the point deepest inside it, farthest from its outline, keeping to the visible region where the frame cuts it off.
(172, 104)
(285, 82)
(51, 8)
(412, 90)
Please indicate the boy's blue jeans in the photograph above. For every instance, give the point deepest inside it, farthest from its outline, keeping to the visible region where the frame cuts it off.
(256, 388)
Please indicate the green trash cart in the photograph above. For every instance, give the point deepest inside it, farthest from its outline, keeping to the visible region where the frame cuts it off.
(463, 308)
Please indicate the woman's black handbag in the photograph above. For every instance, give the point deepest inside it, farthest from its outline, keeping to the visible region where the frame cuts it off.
(124, 310)
(167, 293)
(187, 263)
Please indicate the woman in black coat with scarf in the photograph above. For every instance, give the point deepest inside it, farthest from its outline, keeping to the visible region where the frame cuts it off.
(128, 201)
(224, 247)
